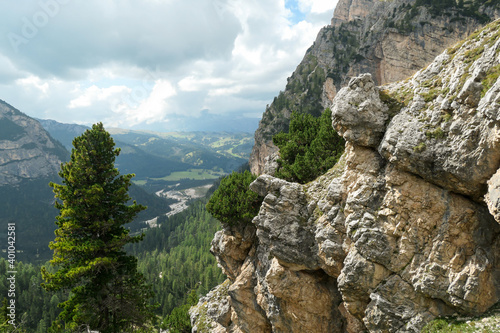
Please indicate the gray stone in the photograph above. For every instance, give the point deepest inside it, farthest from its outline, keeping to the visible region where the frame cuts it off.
(358, 114)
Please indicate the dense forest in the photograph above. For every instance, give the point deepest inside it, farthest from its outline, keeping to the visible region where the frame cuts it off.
(174, 258)
(35, 220)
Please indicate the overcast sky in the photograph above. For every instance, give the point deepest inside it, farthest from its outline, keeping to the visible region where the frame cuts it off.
(146, 63)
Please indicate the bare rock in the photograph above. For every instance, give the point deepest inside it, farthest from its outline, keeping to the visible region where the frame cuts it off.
(492, 198)
(282, 223)
(213, 312)
(365, 36)
(457, 149)
(308, 300)
(271, 164)
(358, 113)
(27, 151)
(231, 247)
(248, 315)
(402, 230)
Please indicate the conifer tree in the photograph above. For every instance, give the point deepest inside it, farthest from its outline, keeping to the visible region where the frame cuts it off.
(107, 292)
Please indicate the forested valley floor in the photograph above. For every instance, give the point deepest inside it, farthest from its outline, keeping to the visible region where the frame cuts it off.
(174, 257)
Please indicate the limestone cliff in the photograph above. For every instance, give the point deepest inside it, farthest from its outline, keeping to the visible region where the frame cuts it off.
(27, 151)
(389, 39)
(404, 229)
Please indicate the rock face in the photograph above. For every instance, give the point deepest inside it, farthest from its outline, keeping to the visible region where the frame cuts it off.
(27, 151)
(389, 39)
(404, 229)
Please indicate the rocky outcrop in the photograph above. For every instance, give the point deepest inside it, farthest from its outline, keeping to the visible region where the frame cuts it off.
(27, 151)
(404, 229)
(391, 40)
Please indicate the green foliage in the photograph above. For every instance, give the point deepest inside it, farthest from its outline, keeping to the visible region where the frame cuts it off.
(490, 79)
(458, 11)
(30, 205)
(309, 149)
(437, 133)
(107, 292)
(175, 257)
(485, 323)
(35, 308)
(233, 202)
(420, 147)
(156, 155)
(455, 326)
(460, 7)
(178, 251)
(178, 321)
(392, 103)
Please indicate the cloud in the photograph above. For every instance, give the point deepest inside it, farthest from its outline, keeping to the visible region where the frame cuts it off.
(93, 94)
(154, 108)
(130, 62)
(87, 34)
(317, 6)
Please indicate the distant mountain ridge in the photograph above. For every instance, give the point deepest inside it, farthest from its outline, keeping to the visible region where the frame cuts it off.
(65, 133)
(156, 157)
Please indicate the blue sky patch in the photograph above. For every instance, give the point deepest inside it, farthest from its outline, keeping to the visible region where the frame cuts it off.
(297, 15)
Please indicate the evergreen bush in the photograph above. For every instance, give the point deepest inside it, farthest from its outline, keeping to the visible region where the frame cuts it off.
(309, 149)
(233, 202)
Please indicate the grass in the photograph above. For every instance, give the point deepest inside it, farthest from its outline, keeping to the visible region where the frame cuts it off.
(195, 174)
(490, 79)
(392, 103)
(420, 147)
(447, 117)
(487, 323)
(431, 95)
(437, 133)
(474, 54)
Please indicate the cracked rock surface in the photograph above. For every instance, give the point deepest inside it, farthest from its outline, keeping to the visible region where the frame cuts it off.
(404, 229)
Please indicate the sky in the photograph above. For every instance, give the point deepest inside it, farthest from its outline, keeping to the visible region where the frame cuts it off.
(152, 64)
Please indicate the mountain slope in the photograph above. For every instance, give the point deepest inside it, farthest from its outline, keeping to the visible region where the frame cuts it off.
(389, 39)
(64, 133)
(27, 151)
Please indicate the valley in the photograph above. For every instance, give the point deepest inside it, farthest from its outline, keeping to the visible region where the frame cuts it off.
(182, 199)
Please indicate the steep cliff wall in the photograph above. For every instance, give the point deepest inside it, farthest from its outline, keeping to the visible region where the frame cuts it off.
(27, 151)
(389, 39)
(406, 226)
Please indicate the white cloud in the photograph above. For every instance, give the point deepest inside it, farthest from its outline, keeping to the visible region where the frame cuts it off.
(317, 6)
(201, 82)
(153, 108)
(127, 62)
(93, 94)
(33, 81)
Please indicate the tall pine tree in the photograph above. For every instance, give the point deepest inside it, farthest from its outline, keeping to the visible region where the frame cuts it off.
(107, 292)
